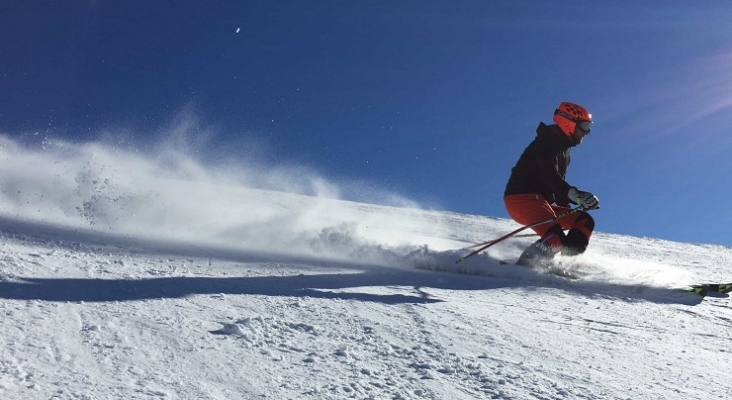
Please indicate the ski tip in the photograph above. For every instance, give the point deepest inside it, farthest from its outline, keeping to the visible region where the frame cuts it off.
(706, 288)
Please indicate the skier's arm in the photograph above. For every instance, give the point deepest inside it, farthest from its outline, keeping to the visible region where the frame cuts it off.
(549, 169)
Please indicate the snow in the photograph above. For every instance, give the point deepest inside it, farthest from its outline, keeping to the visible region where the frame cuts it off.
(127, 276)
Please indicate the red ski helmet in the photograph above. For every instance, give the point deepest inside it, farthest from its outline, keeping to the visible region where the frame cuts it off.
(569, 115)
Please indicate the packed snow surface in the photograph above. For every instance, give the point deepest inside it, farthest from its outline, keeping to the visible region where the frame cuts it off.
(125, 276)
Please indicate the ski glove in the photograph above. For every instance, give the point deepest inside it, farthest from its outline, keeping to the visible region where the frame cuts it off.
(587, 200)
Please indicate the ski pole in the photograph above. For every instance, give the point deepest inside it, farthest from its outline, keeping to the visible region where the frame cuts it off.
(490, 243)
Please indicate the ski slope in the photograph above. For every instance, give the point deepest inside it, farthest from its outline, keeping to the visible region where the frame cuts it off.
(131, 276)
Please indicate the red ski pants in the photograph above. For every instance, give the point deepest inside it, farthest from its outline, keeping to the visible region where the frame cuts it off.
(531, 208)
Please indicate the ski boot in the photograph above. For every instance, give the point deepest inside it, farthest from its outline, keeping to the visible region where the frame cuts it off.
(536, 256)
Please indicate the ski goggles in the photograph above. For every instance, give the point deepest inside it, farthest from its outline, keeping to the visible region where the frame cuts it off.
(585, 126)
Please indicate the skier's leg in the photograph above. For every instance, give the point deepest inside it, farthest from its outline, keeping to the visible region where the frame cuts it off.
(528, 209)
(580, 225)
(544, 249)
(578, 236)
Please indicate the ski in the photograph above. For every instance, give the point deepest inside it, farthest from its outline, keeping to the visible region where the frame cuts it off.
(706, 288)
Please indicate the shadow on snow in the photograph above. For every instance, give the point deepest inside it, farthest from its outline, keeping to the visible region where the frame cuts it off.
(325, 286)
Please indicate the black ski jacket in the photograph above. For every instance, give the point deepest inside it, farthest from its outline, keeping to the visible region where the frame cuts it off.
(542, 167)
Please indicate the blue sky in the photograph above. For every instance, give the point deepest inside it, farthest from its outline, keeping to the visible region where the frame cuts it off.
(434, 100)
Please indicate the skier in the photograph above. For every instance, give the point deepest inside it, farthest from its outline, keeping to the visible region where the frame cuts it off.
(537, 189)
